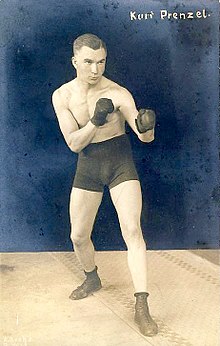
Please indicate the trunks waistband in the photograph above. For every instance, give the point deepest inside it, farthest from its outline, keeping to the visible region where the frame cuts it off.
(113, 147)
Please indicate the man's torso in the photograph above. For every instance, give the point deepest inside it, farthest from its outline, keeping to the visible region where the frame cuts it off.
(82, 105)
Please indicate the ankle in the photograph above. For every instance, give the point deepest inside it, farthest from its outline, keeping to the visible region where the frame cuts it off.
(141, 297)
(141, 294)
(92, 275)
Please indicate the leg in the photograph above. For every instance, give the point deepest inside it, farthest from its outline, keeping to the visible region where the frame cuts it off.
(127, 200)
(83, 209)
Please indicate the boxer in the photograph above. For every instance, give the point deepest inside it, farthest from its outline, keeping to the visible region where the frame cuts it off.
(92, 111)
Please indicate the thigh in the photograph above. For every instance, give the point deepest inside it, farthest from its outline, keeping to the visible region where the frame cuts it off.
(127, 199)
(84, 206)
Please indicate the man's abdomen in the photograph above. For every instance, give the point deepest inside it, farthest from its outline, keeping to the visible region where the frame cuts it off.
(114, 127)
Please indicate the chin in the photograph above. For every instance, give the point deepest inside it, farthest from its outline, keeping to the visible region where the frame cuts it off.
(95, 81)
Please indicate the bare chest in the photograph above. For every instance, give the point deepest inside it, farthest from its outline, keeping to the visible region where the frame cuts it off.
(82, 105)
(80, 109)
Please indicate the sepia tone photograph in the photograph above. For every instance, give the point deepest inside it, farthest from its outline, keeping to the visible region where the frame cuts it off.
(109, 173)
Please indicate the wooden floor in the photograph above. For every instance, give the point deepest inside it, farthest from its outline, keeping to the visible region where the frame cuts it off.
(36, 311)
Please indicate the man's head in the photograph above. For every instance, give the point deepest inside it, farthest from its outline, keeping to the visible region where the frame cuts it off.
(89, 58)
(88, 40)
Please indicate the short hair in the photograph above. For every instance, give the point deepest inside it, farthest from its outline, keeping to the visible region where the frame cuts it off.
(88, 40)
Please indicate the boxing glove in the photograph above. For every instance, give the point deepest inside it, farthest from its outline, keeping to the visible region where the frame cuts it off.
(146, 120)
(103, 107)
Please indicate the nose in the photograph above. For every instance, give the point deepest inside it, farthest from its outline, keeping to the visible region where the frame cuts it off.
(94, 68)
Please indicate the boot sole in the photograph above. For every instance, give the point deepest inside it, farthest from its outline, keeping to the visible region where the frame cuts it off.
(87, 294)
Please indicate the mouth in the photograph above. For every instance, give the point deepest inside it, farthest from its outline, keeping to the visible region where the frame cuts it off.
(94, 78)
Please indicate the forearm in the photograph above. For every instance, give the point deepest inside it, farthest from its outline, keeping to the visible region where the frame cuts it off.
(78, 140)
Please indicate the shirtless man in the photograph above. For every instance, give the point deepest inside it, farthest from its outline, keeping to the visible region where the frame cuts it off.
(92, 111)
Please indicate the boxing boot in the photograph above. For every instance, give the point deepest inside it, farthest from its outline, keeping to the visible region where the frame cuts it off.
(142, 317)
(91, 284)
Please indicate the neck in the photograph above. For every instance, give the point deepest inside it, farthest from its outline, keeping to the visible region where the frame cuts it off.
(85, 87)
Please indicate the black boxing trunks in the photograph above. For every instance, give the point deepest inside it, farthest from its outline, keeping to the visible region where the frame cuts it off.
(106, 163)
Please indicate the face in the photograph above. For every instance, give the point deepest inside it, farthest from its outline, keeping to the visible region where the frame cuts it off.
(89, 64)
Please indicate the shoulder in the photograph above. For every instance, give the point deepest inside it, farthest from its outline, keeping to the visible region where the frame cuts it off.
(121, 96)
(63, 93)
(118, 90)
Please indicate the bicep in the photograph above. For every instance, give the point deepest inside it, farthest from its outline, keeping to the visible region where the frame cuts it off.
(67, 122)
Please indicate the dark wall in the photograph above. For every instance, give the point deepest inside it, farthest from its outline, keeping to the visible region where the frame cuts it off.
(169, 65)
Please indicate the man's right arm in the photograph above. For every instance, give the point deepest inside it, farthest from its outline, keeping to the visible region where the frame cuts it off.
(76, 139)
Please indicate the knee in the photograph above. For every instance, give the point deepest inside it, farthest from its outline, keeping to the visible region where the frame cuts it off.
(78, 240)
(78, 237)
(132, 233)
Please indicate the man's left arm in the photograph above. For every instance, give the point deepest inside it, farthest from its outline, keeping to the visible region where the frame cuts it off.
(134, 118)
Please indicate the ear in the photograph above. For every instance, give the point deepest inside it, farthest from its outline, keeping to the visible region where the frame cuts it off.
(74, 62)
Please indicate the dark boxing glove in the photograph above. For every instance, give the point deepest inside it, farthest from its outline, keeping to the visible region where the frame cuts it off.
(103, 107)
(146, 120)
